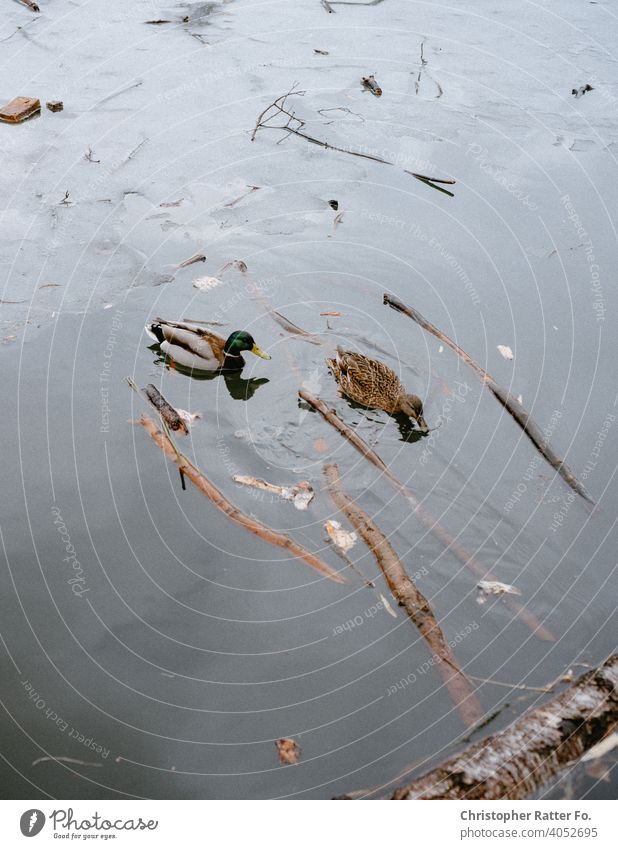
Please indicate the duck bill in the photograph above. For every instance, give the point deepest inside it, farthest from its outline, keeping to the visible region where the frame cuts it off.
(422, 425)
(259, 353)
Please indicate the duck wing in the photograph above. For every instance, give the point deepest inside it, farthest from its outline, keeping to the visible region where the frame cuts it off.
(196, 342)
(368, 381)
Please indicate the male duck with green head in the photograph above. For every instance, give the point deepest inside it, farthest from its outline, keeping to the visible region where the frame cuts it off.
(196, 348)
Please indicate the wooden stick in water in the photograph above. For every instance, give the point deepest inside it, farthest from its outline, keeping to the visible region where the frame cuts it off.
(409, 597)
(250, 524)
(424, 515)
(510, 403)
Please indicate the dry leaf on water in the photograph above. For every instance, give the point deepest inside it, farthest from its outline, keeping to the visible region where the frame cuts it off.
(506, 352)
(300, 494)
(288, 750)
(488, 588)
(188, 418)
(344, 540)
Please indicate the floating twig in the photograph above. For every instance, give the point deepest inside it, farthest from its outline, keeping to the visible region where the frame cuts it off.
(409, 597)
(244, 195)
(171, 416)
(192, 260)
(508, 401)
(295, 126)
(199, 480)
(65, 760)
(423, 514)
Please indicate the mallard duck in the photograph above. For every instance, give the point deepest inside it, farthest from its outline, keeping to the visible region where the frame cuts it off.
(196, 348)
(373, 384)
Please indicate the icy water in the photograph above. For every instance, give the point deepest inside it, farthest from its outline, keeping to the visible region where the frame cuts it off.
(184, 647)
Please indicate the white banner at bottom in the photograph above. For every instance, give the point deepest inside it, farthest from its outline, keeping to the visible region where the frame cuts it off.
(299, 824)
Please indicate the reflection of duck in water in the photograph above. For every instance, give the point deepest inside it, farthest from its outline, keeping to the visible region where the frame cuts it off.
(375, 385)
(195, 349)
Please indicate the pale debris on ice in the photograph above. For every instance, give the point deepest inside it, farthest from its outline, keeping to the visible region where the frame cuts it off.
(300, 494)
(488, 588)
(344, 540)
(506, 352)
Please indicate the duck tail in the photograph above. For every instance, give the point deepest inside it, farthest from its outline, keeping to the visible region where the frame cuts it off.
(155, 331)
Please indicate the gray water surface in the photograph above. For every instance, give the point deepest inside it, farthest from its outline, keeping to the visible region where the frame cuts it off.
(187, 646)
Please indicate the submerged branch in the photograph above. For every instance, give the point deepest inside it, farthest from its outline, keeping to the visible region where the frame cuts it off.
(409, 597)
(423, 514)
(511, 404)
(208, 489)
(516, 762)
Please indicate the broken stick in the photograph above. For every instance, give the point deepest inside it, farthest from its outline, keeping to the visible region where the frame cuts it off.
(423, 514)
(409, 597)
(516, 762)
(199, 480)
(510, 403)
(165, 409)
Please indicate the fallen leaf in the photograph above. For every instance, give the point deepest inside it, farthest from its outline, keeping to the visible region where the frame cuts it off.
(331, 312)
(321, 52)
(387, 606)
(170, 203)
(342, 539)
(488, 588)
(288, 750)
(188, 418)
(506, 352)
(205, 284)
(300, 494)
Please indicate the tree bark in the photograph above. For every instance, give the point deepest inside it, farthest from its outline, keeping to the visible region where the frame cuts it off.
(519, 760)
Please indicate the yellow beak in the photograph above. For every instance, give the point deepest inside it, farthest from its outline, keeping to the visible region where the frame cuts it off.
(259, 353)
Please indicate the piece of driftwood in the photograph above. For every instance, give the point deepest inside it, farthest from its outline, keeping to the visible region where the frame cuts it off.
(173, 420)
(508, 401)
(250, 524)
(409, 597)
(519, 760)
(423, 514)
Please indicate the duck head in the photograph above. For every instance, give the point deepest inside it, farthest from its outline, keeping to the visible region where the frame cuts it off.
(240, 341)
(412, 406)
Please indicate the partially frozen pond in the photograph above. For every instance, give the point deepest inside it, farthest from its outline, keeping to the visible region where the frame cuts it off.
(146, 638)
